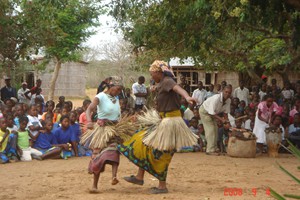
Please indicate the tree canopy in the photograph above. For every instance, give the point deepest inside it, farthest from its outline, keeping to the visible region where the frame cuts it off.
(249, 36)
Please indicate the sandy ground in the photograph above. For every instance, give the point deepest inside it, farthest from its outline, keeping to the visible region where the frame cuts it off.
(191, 176)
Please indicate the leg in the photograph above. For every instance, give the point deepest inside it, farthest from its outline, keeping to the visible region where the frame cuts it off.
(162, 185)
(138, 179)
(26, 156)
(35, 153)
(95, 184)
(140, 174)
(114, 167)
(53, 154)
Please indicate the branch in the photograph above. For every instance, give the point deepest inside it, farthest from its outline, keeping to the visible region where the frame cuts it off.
(266, 31)
(229, 53)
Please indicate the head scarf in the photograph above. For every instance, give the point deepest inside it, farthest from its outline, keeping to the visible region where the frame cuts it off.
(115, 81)
(161, 66)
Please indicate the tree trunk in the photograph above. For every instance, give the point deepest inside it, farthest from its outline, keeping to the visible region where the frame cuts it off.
(53, 79)
(284, 76)
(255, 78)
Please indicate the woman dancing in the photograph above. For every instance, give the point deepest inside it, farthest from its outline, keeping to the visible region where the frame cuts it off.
(153, 147)
(103, 136)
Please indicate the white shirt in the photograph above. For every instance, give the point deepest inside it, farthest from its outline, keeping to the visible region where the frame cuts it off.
(288, 94)
(188, 114)
(33, 121)
(199, 95)
(242, 94)
(21, 96)
(261, 95)
(139, 88)
(214, 104)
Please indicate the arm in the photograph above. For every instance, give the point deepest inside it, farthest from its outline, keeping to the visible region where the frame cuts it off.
(184, 94)
(75, 147)
(89, 112)
(140, 94)
(260, 117)
(26, 94)
(4, 137)
(32, 136)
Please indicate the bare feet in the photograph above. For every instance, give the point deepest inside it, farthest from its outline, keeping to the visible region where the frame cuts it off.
(94, 191)
(114, 181)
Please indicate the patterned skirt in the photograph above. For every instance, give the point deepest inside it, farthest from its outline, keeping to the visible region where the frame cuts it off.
(153, 161)
(109, 155)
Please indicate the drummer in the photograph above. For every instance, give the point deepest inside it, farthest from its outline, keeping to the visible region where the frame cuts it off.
(209, 113)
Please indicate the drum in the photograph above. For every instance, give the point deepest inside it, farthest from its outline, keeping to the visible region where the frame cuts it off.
(242, 144)
(273, 140)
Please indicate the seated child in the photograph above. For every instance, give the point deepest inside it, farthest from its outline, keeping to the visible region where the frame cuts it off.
(34, 125)
(19, 111)
(23, 142)
(194, 128)
(65, 135)
(10, 123)
(7, 142)
(223, 135)
(251, 116)
(294, 131)
(49, 109)
(277, 122)
(46, 143)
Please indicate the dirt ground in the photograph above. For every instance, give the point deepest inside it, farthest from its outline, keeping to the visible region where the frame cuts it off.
(191, 176)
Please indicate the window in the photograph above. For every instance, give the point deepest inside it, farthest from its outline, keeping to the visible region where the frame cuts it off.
(207, 78)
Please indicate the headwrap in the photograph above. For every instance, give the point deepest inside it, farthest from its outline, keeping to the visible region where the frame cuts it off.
(161, 66)
(115, 81)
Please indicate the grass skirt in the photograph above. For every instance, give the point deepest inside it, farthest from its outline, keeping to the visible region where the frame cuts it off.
(101, 136)
(168, 133)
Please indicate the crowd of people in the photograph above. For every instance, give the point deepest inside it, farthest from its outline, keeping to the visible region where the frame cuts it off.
(34, 129)
(199, 120)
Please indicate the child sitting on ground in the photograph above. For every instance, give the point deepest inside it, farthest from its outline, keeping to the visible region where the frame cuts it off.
(82, 118)
(223, 135)
(194, 128)
(46, 143)
(65, 135)
(4, 134)
(49, 109)
(34, 125)
(27, 153)
(19, 111)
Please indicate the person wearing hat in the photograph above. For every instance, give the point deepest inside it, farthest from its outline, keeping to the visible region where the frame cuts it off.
(7, 91)
(21, 94)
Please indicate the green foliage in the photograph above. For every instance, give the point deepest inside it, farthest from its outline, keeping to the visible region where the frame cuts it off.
(229, 35)
(61, 26)
(296, 152)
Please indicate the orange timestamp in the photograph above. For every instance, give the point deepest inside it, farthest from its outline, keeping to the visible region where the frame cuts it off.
(239, 191)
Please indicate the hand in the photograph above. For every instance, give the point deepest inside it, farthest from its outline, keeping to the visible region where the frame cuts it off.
(20, 152)
(65, 147)
(90, 125)
(191, 100)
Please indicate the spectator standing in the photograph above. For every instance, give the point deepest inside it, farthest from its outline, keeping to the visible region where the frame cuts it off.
(199, 93)
(209, 113)
(103, 85)
(210, 91)
(263, 91)
(184, 84)
(34, 89)
(242, 93)
(8, 91)
(140, 91)
(21, 94)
